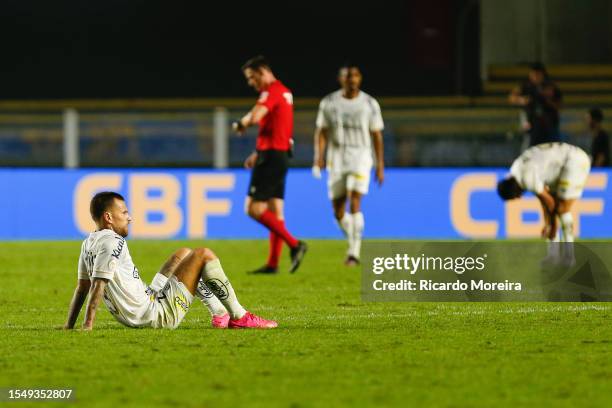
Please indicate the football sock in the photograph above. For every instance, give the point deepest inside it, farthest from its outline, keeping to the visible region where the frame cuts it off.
(553, 247)
(159, 281)
(567, 227)
(271, 222)
(357, 233)
(345, 223)
(567, 234)
(214, 305)
(276, 247)
(215, 279)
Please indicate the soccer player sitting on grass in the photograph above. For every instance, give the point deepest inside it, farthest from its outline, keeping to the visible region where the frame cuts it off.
(556, 174)
(106, 271)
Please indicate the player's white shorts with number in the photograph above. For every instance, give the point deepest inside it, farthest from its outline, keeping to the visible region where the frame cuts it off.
(173, 303)
(573, 176)
(339, 183)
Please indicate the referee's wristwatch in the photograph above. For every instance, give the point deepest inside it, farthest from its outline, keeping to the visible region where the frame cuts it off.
(237, 126)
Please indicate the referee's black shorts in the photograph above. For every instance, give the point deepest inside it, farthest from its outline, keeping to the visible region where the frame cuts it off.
(268, 176)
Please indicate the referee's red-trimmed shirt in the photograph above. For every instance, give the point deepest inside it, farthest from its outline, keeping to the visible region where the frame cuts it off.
(276, 128)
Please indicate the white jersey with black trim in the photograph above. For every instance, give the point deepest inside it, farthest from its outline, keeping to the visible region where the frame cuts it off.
(104, 254)
(544, 164)
(348, 124)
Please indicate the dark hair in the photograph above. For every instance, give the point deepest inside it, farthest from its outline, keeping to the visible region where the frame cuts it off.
(596, 114)
(509, 189)
(101, 201)
(539, 67)
(348, 65)
(256, 63)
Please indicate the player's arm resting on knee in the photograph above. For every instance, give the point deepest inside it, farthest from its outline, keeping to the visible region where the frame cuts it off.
(379, 151)
(95, 295)
(78, 298)
(252, 118)
(549, 207)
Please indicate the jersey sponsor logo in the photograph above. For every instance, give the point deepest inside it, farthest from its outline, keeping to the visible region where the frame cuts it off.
(180, 301)
(218, 288)
(117, 251)
(352, 120)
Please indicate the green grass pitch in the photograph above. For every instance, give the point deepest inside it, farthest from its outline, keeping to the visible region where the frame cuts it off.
(329, 350)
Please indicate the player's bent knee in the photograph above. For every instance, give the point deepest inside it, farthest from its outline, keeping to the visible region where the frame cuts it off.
(205, 254)
(177, 257)
(182, 253)
(564, 206)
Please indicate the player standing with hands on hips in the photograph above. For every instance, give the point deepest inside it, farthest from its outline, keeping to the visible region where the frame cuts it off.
(349, 124)
(273, 112)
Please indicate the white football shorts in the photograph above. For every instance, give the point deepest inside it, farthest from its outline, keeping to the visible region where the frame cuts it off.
(173, 302)
(348, 169)
(340, 183)
(573, 176)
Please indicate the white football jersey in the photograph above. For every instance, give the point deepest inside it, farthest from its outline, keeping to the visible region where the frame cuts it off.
(545, 164)
(104, 254)
(348, 123)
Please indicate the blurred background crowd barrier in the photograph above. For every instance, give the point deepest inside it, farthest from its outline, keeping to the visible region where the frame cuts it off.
(420, 131)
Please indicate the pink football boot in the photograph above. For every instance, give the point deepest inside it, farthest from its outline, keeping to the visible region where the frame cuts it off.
(250, 321)
(220, 322)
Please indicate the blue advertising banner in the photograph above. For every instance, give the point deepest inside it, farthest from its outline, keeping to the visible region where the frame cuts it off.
(193, 203)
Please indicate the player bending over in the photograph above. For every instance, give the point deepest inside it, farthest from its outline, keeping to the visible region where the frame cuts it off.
(556, 174)
(349, 125)
(106, 271)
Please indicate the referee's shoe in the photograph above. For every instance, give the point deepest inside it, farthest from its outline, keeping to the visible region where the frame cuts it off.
(297, 254)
